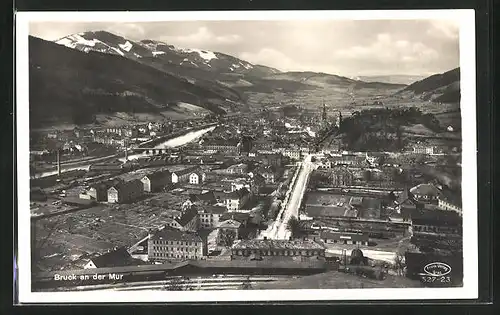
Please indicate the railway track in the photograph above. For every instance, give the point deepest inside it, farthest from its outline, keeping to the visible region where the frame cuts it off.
(224, 282)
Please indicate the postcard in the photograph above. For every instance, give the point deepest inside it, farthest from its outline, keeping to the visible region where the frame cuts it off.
(295, 155)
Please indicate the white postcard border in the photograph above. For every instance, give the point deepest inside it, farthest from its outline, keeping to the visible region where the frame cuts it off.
(468, 110)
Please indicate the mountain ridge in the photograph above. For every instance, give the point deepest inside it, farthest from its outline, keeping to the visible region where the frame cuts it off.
(74, 87)
(442, 87)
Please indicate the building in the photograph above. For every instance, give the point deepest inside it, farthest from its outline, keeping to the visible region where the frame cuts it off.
(221, 145)
(182, 176)
(110, 139)
(261, 249)
(294, 154)
(422, 149)
(346, 238)
(439, 222)
(124, 192)
(327, 206)
(156, 181)
(188, 221)
(436, 229)
(116, 258)
(348, 159)
(270, 174)
(172, 244)
(210, 216)
(238, 169)
(271, 159)
(446, 205)
(242, 217)
(196, 178)
(241, 183)
(230, 225)
(426, 193)
(113, 166)
(99, 191)
(341, 176)
(235, 200)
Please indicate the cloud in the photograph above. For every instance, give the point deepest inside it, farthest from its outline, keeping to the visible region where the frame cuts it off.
(128, 30)
(387, 50)
(202, 37)
(444, 28)
(272, 57)
(350, 48)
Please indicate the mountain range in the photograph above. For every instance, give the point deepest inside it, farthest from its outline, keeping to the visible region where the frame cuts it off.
(392, 78)
(102, 78)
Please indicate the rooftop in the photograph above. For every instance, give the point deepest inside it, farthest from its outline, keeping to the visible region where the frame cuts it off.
(425, 189)
(277, 244)
(214, 209)
(238, 216)
(169, 233)
(329, 211)
(238, 193)
(229, 224)
(119, 257)
(343, 235)
(185, 171)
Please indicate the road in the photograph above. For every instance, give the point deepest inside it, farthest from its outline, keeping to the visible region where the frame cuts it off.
(278, 229)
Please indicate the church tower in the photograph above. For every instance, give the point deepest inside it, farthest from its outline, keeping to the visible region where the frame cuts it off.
(339, 120)
(324, 118)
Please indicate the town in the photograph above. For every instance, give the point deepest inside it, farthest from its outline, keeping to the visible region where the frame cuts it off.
(275, 194)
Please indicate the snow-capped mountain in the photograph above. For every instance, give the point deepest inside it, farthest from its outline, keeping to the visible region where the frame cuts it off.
(104, 42)
(152, 51)
(205, 59)
(76, 86)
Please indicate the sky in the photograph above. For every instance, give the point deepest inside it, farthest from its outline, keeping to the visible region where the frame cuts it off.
(343, 47)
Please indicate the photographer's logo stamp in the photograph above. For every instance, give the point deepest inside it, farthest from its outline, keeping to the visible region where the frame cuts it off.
(436, 272)
(437, 269)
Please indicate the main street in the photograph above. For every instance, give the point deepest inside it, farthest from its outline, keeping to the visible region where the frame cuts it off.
(291, 205)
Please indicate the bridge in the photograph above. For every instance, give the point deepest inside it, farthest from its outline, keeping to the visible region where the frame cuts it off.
(152, 151)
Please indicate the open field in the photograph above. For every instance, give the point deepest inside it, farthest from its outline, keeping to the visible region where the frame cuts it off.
(102, 227)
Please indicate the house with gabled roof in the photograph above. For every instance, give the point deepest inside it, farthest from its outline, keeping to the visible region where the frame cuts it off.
(210, 215)
(156, 181)
(124, 192)
(188, 221)
(235, 200)
(197, 177)
(116, 258)
(182, 176)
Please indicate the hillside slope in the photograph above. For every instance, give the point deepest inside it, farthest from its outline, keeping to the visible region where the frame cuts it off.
(443, 88)
(68, 86)
(234, 78)
(395, 78)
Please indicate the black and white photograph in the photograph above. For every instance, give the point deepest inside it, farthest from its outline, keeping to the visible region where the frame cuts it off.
(295, 155)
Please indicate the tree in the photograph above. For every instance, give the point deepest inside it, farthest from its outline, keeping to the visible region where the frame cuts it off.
(176, 284)
(246, 285)
(226, 238)
(293, 226)
(399, 263)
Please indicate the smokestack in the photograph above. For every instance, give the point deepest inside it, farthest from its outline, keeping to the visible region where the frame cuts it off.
(126, 150)
(58, 162)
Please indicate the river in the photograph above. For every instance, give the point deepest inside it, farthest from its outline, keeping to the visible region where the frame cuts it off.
(172, 143)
